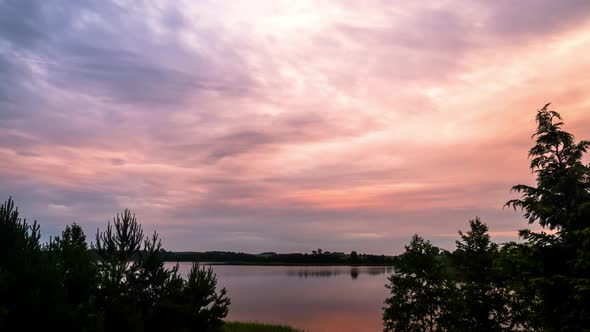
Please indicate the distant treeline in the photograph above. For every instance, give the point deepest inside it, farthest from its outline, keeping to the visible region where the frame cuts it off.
(318, 257)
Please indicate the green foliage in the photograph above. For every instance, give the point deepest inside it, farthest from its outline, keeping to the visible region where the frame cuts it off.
(560, 202)
(422, 292)
(208, 306)
(515, 265)
(482, 294)
(120, 285)
(467, 290)
(136, 292)
(561, 198)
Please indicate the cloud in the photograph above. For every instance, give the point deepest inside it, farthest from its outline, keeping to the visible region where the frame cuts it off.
(105, 50)
(22, 22)
(532, 18)
(286, 126)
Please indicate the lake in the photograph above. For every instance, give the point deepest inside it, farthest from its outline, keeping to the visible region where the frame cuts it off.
(313, 298)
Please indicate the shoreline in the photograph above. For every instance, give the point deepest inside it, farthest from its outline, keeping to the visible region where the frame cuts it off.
(279, 264)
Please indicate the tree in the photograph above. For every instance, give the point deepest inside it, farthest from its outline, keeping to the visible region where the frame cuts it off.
(422, 292)
(207, 307)
(137, 292)
(122, 285)
(516, 266)
(77, 267)
(560, 201)
(483, 295)
(117, 251)
(29, 282)
(354, 256)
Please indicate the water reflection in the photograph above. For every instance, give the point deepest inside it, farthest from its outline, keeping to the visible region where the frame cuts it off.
(331, 271)
(313, 298)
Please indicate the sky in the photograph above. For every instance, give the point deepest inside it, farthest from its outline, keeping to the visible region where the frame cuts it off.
(283, 125)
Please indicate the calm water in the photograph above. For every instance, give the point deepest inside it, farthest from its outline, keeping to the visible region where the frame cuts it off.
(313, 298)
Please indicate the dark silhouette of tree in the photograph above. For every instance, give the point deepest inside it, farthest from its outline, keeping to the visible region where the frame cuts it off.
(207, 307)
(29, 282)
(483, 295)
(515, 266)
(120, 285)
(560, 201)
(117, 250)
(422, 292)
(138, 293)
(77, 266)
(542, 284)
(354, 257)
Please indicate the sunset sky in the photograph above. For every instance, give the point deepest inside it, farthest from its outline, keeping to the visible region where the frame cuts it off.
(283, 125)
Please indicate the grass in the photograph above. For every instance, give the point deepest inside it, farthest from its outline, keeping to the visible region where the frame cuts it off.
(256, 327)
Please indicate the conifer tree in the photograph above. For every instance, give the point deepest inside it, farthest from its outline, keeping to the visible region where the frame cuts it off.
(560, 202)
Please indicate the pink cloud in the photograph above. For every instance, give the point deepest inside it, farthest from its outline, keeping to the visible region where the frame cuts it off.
(278, 126)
